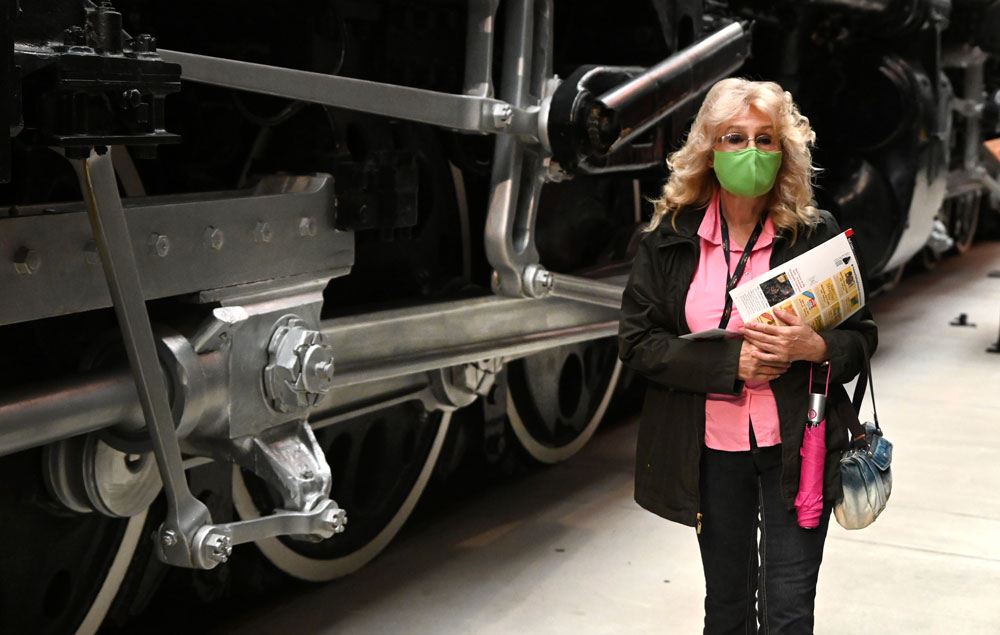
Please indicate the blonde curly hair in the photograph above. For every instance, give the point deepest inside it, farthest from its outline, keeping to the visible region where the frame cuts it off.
(692, 181)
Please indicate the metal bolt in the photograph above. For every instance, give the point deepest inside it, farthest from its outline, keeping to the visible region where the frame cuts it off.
(158, 244)
(144, 43)
(131, 98)
(169, 538)
(324, 370)
(90, 254)
(214, 238)
(75, 36)
(27, 261)
(307, 226)
(217, 547)
(262, 233)
(543, 278)
(503, 115)
(336, 518)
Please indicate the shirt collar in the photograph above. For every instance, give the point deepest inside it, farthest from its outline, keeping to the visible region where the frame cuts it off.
(711, 230)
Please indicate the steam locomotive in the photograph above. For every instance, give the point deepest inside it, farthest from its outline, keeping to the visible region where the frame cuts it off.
(269, 266)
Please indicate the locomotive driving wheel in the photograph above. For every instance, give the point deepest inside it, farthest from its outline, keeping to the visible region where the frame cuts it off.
(61, 569)
(961, 215)
(380, 463)
(556, 399)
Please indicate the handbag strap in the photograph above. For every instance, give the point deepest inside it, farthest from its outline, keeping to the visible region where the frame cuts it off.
(864, 381)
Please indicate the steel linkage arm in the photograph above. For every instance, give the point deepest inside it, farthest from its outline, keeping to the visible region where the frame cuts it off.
(596, 112)
(468, 113)
(185, 513)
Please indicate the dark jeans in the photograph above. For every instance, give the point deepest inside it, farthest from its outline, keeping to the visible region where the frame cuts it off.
(740, 494)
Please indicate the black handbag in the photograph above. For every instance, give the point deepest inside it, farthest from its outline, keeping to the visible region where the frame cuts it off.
(865, 472)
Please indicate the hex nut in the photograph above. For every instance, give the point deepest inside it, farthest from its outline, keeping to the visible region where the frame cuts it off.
(262, 233)
(159, 245)
(144, 43)
(27, 261)
(90, 255)
(218, 547)
(131, 98)
(214, 238)
(75, 36)
(169, 538)
(503, 115)
(307, 226)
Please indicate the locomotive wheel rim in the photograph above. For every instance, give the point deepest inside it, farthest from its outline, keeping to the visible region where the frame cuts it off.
(314, 569)
(116, 574)
(547, 452)
(76, 554)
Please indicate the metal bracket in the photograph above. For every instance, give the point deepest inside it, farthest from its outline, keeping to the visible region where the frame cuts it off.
(213, 544)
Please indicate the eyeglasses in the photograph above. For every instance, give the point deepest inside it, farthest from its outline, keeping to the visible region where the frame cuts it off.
(738, 141)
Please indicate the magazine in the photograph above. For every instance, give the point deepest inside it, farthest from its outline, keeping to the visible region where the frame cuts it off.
(822, 286)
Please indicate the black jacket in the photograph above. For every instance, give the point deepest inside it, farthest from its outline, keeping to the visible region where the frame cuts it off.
(680, 372)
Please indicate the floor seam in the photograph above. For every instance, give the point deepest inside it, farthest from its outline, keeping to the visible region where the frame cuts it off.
(921, 549)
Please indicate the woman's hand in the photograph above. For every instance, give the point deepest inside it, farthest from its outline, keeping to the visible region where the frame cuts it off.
(755, 370)
(784, 344)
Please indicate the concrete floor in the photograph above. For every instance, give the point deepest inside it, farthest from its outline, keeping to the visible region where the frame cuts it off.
(567, 550)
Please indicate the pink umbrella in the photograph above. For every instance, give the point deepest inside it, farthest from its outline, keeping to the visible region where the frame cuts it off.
(809, 502)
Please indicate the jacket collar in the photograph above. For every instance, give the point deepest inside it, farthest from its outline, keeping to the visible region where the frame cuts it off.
(686, 232)
(687, 222)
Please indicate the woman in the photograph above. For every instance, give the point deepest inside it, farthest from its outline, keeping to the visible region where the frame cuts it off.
(723, 419)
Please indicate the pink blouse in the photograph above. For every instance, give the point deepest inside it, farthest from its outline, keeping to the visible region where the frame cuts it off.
(727, 417)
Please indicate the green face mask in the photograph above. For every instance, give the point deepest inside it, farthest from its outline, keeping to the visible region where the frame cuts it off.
(749, 172)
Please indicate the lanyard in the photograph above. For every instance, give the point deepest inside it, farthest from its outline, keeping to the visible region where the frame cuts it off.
(733, 278)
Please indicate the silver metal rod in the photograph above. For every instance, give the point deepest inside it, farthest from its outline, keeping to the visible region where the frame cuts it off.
(480, 31)
(58, 410)
(367, 348)
(416, 362)
(587, 290)
(107, 218)
(458, 112)
(641, 102)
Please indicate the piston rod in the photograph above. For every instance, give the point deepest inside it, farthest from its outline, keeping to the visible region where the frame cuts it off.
(632, 108)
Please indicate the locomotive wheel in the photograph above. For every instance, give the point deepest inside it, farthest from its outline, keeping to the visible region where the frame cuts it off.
(963, 219)
(61, 569)
(556, 399)
(380, 464)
